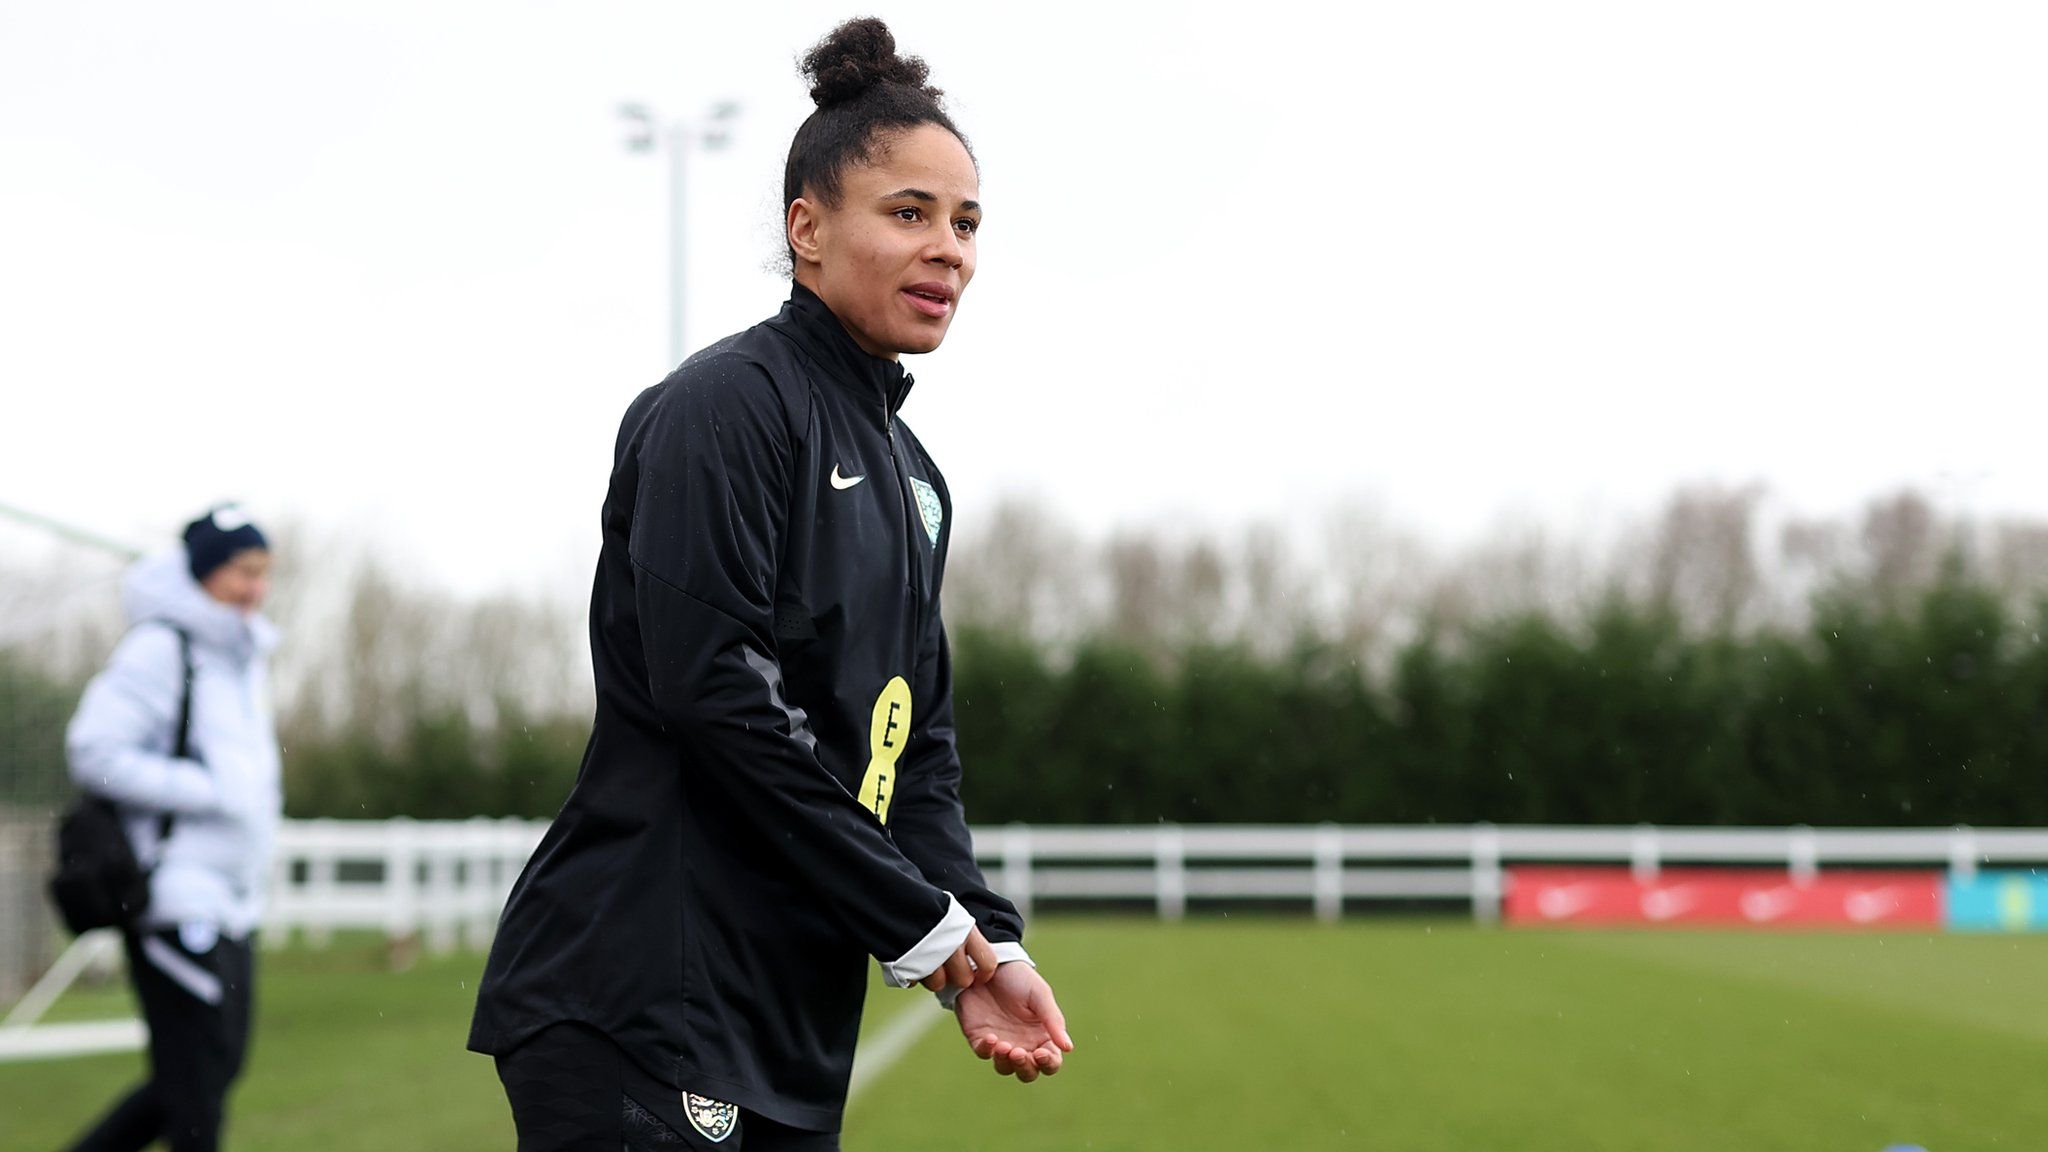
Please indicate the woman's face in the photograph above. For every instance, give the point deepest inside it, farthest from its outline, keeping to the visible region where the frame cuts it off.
(894, 256)
(243, 582)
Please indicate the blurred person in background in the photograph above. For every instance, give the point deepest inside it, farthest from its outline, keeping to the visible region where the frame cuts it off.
(197, 649)
(771, 791)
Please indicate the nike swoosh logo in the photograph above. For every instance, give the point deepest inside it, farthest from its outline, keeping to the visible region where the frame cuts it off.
(1667, 903)
(1564, 903)
(1768, 904)
(844, 482)
(1875, 904)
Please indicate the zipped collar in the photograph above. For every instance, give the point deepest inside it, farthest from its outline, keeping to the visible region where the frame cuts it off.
(813, 327)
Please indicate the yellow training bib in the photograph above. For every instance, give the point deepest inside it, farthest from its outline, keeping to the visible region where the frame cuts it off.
(887, 733)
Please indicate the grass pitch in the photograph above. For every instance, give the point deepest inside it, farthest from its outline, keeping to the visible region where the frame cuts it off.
(1266, 1033)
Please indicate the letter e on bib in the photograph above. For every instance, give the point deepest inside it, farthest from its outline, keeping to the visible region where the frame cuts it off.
(887, 734)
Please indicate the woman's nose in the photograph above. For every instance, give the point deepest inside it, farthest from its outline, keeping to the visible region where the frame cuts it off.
(948, 250)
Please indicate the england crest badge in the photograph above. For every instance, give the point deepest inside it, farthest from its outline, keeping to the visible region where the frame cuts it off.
(713, 1119)
(928, 506)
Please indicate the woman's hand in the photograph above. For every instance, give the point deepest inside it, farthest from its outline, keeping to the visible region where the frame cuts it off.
(1013, 1021)
(974, 962)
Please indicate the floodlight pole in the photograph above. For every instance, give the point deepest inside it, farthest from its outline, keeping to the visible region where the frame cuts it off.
(677, 137)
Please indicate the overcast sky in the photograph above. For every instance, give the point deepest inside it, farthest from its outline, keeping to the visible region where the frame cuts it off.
(387, 267)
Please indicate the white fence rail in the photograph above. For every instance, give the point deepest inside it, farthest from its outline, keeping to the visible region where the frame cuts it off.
(445, 881)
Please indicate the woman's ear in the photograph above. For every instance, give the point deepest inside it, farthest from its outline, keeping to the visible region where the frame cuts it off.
(803, 227)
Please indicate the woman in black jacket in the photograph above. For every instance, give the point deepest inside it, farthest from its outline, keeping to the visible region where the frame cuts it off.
(771, 790)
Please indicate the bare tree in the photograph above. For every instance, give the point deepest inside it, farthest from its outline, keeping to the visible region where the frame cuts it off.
(1278, 596)
(1141, 611)
(2019, 558)
(1902, 544)
(1376, 576)
(1203, 593)
(1701, 561)
(1020, 573)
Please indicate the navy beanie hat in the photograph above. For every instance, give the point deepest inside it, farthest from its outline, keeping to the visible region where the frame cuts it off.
(215, 538)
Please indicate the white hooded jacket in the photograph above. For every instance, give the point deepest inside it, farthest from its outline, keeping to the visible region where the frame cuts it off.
(226, 799)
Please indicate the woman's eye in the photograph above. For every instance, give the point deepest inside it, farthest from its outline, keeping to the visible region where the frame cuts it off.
(968, 226)
(908, 215)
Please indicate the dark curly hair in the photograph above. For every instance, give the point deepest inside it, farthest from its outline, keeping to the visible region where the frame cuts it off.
(863, 89)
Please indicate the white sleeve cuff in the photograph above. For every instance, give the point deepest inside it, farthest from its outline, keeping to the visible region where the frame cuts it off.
(1007, 953)
(927, 954)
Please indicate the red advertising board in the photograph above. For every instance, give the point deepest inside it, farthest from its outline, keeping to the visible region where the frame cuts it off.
(1723, 897)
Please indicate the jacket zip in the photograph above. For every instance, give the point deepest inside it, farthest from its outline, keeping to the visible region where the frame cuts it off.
(913, 522)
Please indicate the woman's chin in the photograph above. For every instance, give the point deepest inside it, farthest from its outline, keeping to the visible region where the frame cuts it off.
(918, 341)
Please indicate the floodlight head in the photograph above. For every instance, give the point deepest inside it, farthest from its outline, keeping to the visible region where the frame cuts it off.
(639, 127)
(716, 135)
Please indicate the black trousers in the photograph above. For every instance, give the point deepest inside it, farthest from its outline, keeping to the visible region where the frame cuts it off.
(573, 1090)
(196, 1001)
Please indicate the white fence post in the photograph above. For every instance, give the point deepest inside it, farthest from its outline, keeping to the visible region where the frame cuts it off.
(1016, 843)
(1803, 855)
(1962, 853)
(479, 883)
(1169, 851)
(1645, 861)
(1329, 872)
(401, 878)
(321, 866)
(277, 929)
(1486, 874)
(443, 907)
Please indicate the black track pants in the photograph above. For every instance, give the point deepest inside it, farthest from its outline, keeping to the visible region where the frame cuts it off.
(196, 1002)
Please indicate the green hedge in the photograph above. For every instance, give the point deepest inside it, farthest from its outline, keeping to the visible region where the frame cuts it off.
(1929, 714)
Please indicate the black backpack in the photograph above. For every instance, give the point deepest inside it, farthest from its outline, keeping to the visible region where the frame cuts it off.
(98, 882)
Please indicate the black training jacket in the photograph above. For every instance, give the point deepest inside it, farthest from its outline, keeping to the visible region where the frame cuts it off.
(771, 791)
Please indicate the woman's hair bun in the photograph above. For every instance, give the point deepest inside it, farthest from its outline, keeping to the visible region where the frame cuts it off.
(857, 56)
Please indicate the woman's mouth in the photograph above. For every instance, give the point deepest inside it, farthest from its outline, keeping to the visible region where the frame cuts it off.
(934, 300)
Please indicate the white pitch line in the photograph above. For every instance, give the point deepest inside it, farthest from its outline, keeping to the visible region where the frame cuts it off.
(85, 1038)
(875, 1057)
